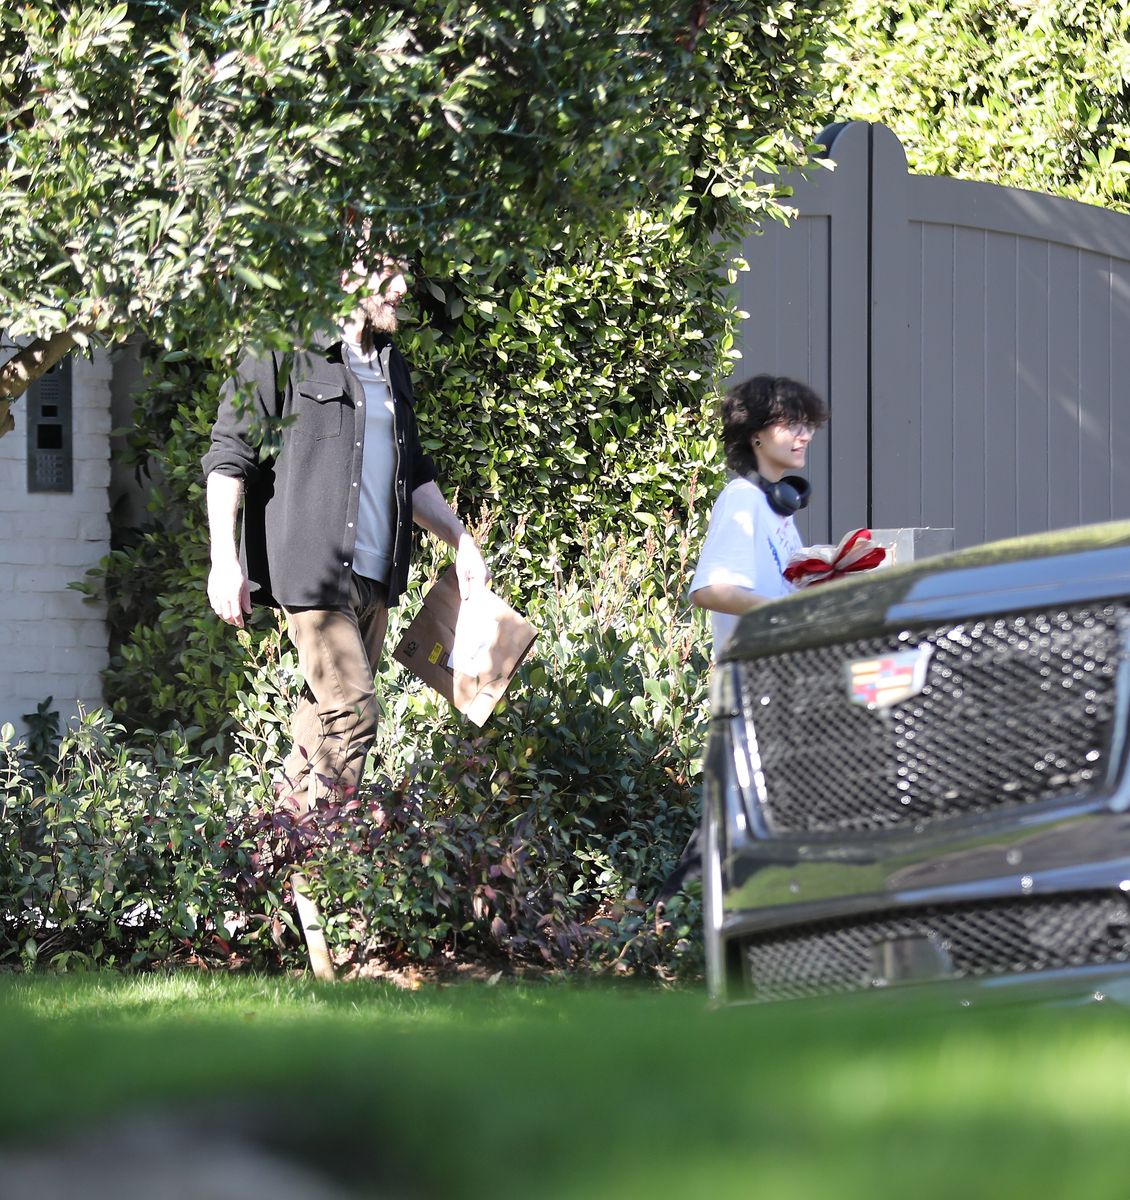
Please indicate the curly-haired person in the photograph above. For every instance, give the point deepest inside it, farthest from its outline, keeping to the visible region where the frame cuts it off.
(767, 424)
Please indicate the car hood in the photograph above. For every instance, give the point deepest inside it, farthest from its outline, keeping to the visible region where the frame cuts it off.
(1091, 562)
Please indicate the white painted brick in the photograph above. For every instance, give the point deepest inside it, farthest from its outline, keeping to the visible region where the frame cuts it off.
(12, 709)
(73, 661)
(91, 372)
(38, 634)
(42, 684)
(23, 606)
(35, 606)
(25, 552)
(70, 605)
(93, 473)
(20, 607)
(91, 413)
(95, 526)
(43, 578)
(88, 498)
(43, 525)
(94, 635)
(22, 502)
(90, 452)
(70, 685)
(45, 501)
(91, 380)
(89, 687)
(14, 499)
(92, 434)
(27, 659)
(93, 425)
(60, 634)
(76, 553)
(91, 383)
(85, 634)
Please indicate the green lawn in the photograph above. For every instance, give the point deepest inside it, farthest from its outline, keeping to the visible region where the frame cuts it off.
(551, 1091)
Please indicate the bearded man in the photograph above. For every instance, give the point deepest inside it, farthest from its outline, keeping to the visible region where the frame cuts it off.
(326, 534)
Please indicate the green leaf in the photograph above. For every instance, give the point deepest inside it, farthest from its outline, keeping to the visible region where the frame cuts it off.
(251, 278)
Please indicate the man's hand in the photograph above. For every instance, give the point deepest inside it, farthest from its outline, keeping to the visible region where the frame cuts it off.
(431, 511)
(470, 569)
(228, 592)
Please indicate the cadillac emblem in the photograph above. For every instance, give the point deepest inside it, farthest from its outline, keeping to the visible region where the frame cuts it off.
(890, 679)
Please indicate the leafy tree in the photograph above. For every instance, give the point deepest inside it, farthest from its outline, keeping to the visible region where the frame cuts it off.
(1035, 93)
(180, 169)
(571, 310)
(571, 181)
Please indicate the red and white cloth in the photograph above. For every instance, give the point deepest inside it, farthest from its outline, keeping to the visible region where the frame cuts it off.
(817, 564)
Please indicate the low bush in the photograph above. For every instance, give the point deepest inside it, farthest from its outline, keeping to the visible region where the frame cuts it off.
(117, 856)
(541, 838)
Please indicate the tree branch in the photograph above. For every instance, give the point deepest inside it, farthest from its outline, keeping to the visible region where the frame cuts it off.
(699, 14)
(26, 366)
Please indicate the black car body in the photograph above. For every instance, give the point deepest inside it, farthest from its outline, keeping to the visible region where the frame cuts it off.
(921, 775)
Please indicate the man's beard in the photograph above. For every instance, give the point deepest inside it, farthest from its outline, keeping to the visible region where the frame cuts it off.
(378, 317)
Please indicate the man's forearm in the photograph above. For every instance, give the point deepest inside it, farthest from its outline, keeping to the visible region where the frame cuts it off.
(432, 512)
(228, 590)
(224, 492)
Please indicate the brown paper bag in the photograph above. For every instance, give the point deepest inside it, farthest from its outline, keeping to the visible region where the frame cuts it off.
(467, 650)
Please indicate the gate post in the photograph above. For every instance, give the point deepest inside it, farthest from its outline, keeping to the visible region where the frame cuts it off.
(911, 543)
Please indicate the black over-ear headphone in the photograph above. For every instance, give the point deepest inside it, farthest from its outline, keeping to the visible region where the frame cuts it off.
(787, 495)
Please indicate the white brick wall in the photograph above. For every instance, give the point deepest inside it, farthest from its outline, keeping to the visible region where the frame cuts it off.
(52, 641)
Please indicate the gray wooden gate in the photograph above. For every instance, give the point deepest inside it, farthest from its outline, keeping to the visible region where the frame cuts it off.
(973, 342)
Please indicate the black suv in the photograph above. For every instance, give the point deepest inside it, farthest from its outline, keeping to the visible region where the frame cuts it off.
(920, 774)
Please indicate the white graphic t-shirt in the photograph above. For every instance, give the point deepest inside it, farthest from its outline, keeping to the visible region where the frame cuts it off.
(747, 545)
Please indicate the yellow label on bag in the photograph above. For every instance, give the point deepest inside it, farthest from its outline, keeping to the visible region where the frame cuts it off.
(436, 653)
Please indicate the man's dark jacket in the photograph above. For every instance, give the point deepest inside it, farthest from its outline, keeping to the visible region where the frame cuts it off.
(301, 494)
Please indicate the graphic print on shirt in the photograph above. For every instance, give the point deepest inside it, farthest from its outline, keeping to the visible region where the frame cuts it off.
(784, 542)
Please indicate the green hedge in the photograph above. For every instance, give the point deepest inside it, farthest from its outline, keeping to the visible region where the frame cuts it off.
(1035, 95)
(541, 838)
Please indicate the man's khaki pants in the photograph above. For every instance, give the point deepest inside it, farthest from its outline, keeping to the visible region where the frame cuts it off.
(336, 719)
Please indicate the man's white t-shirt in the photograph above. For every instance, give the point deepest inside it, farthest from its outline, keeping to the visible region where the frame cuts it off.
(747, 545)
(372, 555)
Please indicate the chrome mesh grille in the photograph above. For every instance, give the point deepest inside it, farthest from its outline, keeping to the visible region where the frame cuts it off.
(1007, 937)
(1014, 710)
